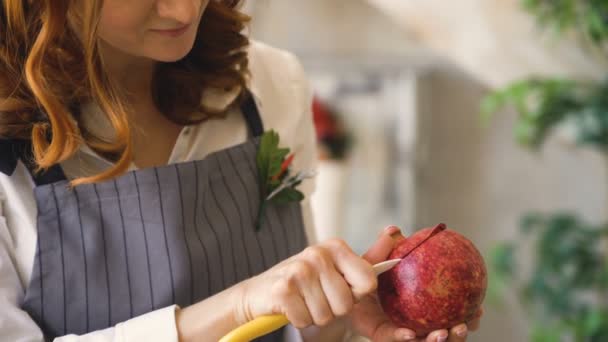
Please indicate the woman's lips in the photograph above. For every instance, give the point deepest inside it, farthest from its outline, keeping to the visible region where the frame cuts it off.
(173, 32)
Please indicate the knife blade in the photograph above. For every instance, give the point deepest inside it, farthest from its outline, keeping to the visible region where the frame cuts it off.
(384, 266)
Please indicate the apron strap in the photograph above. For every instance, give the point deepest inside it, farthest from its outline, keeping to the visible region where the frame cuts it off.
(252, 116)
(9, 150)
(13, 150)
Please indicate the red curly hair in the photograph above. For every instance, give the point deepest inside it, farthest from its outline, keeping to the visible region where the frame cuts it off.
(50, 66)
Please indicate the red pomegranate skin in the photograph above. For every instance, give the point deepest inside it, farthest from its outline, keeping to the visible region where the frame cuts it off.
(439, 284)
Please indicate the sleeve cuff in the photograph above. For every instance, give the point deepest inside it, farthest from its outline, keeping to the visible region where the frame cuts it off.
(158, 325)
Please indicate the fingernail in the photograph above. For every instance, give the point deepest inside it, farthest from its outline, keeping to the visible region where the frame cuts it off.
(406, 336)
(442, 338)
(461, 332)
(389, 231)
(389, 228)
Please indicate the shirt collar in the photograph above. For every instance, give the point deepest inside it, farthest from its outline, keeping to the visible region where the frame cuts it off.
(94, 119)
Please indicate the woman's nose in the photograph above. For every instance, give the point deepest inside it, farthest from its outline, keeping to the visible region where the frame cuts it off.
(183, 11)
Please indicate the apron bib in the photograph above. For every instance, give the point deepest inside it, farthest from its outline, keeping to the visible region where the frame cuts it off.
(176, 234)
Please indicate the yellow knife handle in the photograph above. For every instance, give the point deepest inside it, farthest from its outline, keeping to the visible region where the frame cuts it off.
(257, 328)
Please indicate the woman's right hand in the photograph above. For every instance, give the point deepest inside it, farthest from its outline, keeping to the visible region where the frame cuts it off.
(313, 287)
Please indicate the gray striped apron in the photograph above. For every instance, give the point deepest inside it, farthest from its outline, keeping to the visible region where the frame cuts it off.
(176, 234)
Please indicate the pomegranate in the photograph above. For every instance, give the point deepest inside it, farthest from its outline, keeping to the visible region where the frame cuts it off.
(441, 281)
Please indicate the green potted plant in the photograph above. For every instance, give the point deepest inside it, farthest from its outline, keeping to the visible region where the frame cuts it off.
(565, 292)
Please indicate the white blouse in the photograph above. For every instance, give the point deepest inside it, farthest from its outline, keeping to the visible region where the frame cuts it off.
(283, 96)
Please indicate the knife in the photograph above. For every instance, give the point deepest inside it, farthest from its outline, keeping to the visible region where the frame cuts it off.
(266, 324)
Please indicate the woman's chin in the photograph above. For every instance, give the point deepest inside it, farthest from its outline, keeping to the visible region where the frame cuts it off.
(170, 56)
(171, 53)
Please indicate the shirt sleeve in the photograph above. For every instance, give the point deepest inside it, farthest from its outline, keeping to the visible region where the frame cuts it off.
(158, 325)
(16, 324)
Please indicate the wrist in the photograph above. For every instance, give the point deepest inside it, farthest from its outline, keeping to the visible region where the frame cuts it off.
(241, 310)
(211, 318)
(185, 331)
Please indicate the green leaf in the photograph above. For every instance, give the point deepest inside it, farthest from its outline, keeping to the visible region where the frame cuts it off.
(503, 259)
(545, 334)
(273, 184)
(269, 159)
(288, 195)
(601, 334)
(530, 222)
(268, 143)
(544, 104)
(595, 26)
(525, 133)
(603, 276)
(491, 104)
(588, 17)
(568, 265)
(516, 94)
(593, 321)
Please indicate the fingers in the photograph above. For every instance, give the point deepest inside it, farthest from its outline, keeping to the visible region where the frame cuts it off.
(388, 332)
(357, 272)
(316, 302)
(328, 276)
(297, 313)
(395, 233)
(294, 308)
(306, 274)
(474, 325)
(458, 333)
(381, 249)
(402, 334)
(338, 292)
(437, 336)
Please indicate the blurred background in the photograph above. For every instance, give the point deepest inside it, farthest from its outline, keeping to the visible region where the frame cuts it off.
(488, 115)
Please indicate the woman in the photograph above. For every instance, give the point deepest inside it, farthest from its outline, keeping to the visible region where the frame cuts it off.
(130, 133)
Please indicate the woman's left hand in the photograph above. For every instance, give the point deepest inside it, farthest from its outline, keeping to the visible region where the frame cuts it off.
(367, 318)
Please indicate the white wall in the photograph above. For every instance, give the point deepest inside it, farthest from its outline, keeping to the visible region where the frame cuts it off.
(346, 30)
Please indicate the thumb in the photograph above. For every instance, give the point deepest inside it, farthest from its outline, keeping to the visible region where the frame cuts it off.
(383, 247)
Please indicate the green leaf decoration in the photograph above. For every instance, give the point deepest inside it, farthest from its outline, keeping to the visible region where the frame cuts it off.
(288, 195)
(269, 159)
